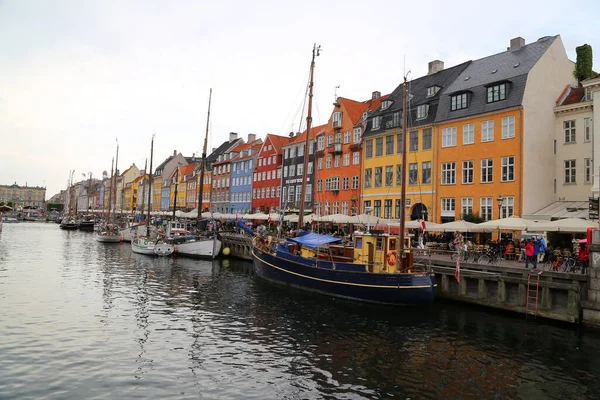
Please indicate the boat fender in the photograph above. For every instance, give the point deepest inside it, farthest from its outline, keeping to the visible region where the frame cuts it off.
(392, 257)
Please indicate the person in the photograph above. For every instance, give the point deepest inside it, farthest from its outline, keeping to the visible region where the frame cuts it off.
(584, 256)
(509, 250)
(421, 244)
(541, 242)
(529, 250)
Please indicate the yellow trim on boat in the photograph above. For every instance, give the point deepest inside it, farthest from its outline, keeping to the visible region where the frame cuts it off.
(341, 283)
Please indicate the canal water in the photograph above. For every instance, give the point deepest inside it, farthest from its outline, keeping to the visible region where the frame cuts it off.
(83, 320)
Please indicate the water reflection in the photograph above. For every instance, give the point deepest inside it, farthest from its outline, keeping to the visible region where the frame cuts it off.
(107, 323)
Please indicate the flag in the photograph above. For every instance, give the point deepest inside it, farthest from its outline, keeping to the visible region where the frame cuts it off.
(269, 220)
(457, 272)
(422, 224)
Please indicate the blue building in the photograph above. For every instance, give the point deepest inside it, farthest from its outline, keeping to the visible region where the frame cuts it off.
(242, 168)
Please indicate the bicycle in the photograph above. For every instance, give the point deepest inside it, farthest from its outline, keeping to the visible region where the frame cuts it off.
(554, 265)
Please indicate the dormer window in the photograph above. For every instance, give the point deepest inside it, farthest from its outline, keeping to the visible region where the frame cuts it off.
(337, 119)
(458, 101)
(496, 93)
(364, 116)
(422, 111)
(385, 104)
(588, 95)
(432, 91)
(376, 123)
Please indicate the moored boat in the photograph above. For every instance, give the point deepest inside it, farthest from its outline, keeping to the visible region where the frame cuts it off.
(152, 247)
(69, 224)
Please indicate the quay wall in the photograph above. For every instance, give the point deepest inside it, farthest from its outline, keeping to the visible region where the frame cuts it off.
(591, 303)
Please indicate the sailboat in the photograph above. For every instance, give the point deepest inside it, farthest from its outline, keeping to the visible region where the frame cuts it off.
(70, 222)
(87, 222)
(376, 268)
(109, 232)
(199, 245)
(146, 244)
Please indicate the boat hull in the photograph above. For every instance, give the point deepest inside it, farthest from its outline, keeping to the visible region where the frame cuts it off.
(150, 248)
(69, 227)
(87, 226)
(203, 248)
(385, 288)
(108, 238)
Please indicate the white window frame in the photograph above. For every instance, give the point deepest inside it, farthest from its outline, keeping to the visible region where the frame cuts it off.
(570, 172)
(376, 123)
(346, 161)
(356, 135)
(508, 168)
(337, 119)
(448, 207)
(468, 133)
(486, 208)
(422, 111)
(569, 128)
(346, 137)
(468, 171)
(508, 127)
(355, 158)
(507, 209)
(449, 137)
(487, 130)
(487, 170)
(587, 170)
(466, 206)
(587, 129)
(449, 173)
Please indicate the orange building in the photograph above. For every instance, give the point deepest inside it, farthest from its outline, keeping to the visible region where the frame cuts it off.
(338, 157)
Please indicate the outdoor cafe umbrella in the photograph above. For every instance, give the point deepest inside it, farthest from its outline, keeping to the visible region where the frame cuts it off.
(507, 224)
(567, 225)
(456, 226)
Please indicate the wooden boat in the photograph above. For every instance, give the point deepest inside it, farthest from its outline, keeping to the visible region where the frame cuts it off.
(109, 232)
(374, 267)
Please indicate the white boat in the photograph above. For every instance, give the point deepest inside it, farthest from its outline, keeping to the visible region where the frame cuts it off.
(186, 244)
(143, 245)
(109, 234)
(128, 234)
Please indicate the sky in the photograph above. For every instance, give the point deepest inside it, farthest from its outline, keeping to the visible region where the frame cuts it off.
(76, 76)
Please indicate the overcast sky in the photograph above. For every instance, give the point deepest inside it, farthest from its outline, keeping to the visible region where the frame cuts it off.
(75, 75)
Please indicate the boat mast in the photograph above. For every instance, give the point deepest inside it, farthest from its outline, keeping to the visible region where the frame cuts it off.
(116, 180)
(403, 177)
(88, 194)
(150, 175)
(175, 194)
(143, 185)
(315, 53)
(112, 165)
(203, 165)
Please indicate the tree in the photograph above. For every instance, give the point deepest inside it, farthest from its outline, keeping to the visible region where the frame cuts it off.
(475, 218)
(583, 65)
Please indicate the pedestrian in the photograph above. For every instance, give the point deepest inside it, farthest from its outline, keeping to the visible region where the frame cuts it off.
(542, 249)
(529, 250)
(536, 252)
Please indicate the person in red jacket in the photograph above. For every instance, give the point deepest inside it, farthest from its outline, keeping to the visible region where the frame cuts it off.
(529, 251)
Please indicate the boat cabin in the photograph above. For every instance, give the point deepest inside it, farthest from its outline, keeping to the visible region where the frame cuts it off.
(377, 250)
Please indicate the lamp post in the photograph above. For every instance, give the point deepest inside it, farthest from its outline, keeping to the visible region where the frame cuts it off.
(500, 199)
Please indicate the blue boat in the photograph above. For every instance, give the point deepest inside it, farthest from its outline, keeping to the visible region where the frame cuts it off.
(319, 263)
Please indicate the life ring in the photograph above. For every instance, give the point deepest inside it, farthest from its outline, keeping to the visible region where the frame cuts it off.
(392, 257)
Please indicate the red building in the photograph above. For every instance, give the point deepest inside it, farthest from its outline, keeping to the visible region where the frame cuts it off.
(339, 156)
(266, 179)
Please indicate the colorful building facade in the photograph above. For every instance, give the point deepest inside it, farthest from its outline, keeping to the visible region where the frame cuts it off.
(241, 177)
(266, 179)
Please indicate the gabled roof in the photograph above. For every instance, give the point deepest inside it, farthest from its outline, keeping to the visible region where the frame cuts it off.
(572, 95)
(212, 157)
(418, 96)
(187, 169)
(511, 66)
(301, 138)
(127, 170)
(255, 145)
(277, 141)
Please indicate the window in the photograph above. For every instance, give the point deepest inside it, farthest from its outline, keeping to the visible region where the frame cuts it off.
(399, 175)
(449, 137)
(279, 173)
(448, 207)
(337, 119)
(355, 182)
(300, 151)
(485, 204)
(426, 172)
(346, 183)
(300, 171)
(327, 209)
(311, 148)
(413, 173)
(508, 127)
(569, 127)
(376, 123)
(320, 163)
(385, 105)
(387, 209)
(338, 138)
(292, 152)
(587, 165)
(389, 175)
(321, 143)
(369, 148)
(346, 159)
(320, 185)
(467, 206)
(389, 145)
(292, 170)
(377, 208)
(508, 207)
(487, 170)
(345, 207)
(328, 162)
(468, 134)
(308, 193)
(413, 142)
(329, 140)
(367, 204)
(458, 102)
(570, 171)
(422, 111)
(298, 192)
(379, 146)
(336, 161)
(427, 139)
(347, 137)
(290, 194)
(587, 129)
(368, 177)
(508, 169)
(355, 158)
(285, 171)
(487, 131)
(432, 90)
(378, 171)
(399, 143)
(448, 173)
(310, 168)
(395, 122)
(398, 209)
(356, 138)
(496, 93)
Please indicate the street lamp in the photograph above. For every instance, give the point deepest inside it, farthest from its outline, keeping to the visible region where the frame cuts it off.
(500, 199)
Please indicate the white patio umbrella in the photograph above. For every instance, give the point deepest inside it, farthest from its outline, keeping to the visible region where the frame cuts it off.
(456, 226)
(416, 224)
(260, 216)
(336, 218)
(290, 218)
(565, 225)
(507, 224)
(275, 216)
(366, 219)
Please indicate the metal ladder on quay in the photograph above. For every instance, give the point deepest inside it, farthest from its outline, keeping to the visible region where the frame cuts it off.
(531, 302)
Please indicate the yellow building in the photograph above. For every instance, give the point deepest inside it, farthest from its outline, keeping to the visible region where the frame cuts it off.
(128, 197)
(156, 192)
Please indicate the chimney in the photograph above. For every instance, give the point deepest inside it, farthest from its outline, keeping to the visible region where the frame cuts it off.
(292, 134)
(214, 149)
(375, 95)
(435, 66)
(174, 153)
(251, 137)
(516, 43)
(232, 136)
